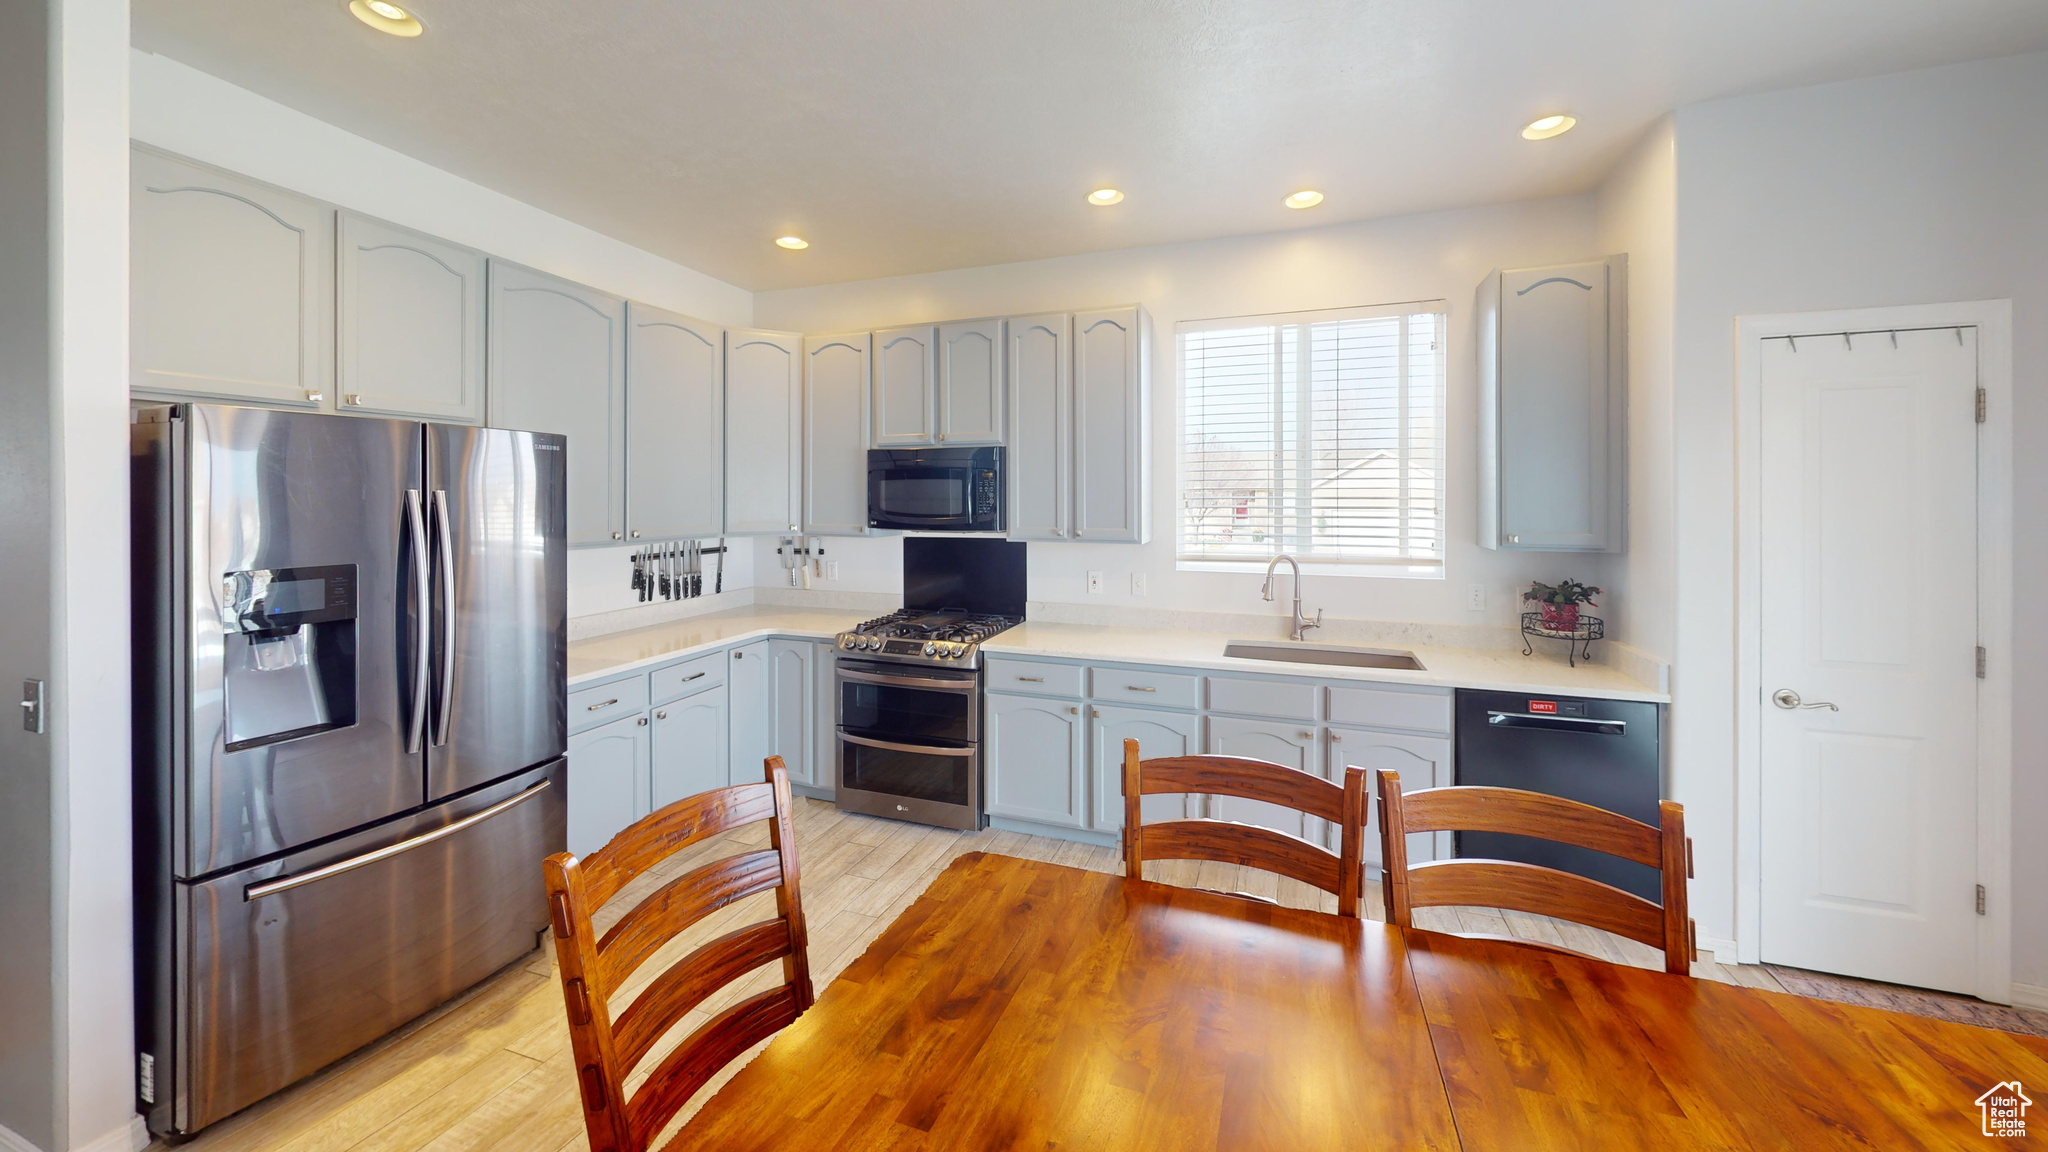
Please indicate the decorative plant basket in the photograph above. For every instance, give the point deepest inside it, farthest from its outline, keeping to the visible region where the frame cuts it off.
(1578, 637)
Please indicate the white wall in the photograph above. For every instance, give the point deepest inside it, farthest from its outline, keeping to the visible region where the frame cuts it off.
(1916, 188)
(186, 111)
(1437, 255)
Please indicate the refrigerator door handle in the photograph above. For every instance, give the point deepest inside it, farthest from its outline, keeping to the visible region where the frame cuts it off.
(287, 883)
(416, 527)
(445, 554)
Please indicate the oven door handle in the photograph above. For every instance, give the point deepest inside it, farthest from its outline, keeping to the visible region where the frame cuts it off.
(920, 749)
(962, 686)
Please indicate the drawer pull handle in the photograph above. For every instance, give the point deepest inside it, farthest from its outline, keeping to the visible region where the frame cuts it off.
(690, 677)
(1031, 679)
(1140, 688)
(606, 704)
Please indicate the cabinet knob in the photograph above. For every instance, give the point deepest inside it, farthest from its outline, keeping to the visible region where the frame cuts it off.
(738, 655)
(643, 720)
(1308, 735)
(636, 534)
(1095, 713)
(942, 436)
(792, 527)
(315, 397)
(617, 535)
(1076, 710)
(353, 399)
(1514, 539)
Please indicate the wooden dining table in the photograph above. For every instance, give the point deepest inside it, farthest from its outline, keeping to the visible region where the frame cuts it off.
(1019, 1004)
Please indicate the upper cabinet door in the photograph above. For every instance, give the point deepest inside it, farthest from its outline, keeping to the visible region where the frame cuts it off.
(1036, 465)
(764, 439)
(1553, 408)
(558, 364)
(409, 323)
(904, 389)
(835, 443)
(970, 386)
(231, 287)
(1111, 426)
(675, 427)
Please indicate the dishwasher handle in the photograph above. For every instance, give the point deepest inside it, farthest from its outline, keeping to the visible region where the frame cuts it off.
(1578, 724)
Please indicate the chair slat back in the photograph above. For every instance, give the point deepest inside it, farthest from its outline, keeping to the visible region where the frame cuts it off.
(594, 967)
(1231, 843)
(1531, 887)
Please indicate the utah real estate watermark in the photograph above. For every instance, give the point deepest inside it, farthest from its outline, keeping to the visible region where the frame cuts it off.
(2004, 1109)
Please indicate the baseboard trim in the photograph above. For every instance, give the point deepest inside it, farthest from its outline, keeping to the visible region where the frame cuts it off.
(1053, 831)
(1724, 950)
(12, 1141)
(2030, 996)
(130, 1137)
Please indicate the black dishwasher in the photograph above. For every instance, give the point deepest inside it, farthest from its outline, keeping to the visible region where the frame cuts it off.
(1601, 752)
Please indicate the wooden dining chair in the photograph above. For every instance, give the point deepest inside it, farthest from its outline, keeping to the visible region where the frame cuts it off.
(1533, 887)
(594, 966)
(1229, 842)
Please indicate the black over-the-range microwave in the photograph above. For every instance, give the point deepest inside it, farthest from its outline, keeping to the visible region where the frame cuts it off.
(936, 489)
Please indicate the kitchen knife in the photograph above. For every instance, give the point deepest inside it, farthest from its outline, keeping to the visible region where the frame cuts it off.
(718, 582)
(696, 568)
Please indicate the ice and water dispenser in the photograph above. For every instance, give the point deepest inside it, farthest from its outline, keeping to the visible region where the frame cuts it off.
(290, 652)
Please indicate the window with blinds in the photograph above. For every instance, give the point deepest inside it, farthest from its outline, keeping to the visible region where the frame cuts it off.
(1319, 434)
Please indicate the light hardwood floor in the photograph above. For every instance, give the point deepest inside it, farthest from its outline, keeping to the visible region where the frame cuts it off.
(491, 1070)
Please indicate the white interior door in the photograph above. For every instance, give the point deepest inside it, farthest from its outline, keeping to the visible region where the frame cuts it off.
(1869, 619)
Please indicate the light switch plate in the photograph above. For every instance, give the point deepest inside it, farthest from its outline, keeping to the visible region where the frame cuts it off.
(1475, 597)
(32, 706)
(1095, 582)
(1137, 583)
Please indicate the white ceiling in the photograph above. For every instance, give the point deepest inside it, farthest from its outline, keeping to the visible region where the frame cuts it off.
(906, 136)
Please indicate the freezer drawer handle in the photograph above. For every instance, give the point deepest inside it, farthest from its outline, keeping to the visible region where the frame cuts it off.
(1557, 723)
(287, 883)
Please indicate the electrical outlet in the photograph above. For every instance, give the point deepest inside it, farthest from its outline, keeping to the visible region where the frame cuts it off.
(831, 569)
(1137, 583)
(1475, 597)
(1094, 582)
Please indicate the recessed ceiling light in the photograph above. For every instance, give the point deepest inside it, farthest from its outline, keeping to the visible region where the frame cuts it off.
(1306, 198)
(793, 243)
(1104, 197)
(1547, 127)
(385, 16)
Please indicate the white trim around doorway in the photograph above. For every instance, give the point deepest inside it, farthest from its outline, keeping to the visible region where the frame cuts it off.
(1993, 321)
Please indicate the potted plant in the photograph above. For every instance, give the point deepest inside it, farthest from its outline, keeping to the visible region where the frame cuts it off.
(1559, 603)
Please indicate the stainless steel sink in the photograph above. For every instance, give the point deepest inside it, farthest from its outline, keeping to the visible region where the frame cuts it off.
(1322, 654)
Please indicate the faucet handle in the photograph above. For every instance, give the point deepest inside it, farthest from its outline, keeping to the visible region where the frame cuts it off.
(1315, 623)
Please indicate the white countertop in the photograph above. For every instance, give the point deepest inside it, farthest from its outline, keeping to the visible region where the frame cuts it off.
(1505, 670)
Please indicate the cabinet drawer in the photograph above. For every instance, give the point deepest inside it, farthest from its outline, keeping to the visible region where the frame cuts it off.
(1142, 686)
(589, 707)
(1391, 708)
(679, 680)
(1289, 699)
(1033, 677)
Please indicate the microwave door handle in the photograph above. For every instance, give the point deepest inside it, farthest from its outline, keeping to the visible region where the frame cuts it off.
(446, 562)
(422, 639)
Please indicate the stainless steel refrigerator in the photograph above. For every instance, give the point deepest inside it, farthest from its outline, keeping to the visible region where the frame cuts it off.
(350, 670)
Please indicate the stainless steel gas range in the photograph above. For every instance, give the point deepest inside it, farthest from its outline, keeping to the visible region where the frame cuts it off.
(909, 684)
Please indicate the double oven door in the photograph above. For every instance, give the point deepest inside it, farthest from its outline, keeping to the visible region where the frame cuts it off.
(910, 743)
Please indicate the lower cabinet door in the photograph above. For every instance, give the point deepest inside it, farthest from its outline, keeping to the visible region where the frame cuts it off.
(1157, 734)
(825, 718)
(752, 705)
(607, 782)
(1422, 761)
(790, 692)
(689, 746)
(1282, 742)
(1032, 764)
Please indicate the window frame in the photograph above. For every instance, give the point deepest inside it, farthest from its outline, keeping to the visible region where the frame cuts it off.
(1405, 566)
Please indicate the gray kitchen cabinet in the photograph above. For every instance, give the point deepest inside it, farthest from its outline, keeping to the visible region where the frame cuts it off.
(1422, 761)
(409, 323)
(1035, 768)
(750, 701)
(764, 435)
(970, 382)
(231, 287)
(1158, 734)
(1553, 407)
(1288, 742)
(1037, 469)
(1112, 426)
(675, 426)
(793, 707)
(688, 752)
(824, 719)
(905, 368)
(608, 781)
(836, 435)
(558, 364)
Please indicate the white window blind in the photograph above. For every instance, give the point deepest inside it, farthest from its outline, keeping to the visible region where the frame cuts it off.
(1319, 434)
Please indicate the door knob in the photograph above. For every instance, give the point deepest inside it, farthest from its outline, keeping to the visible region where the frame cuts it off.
(1788, 699)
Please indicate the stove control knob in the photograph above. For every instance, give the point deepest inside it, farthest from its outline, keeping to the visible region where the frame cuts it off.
(930, 648)
(958, 651)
